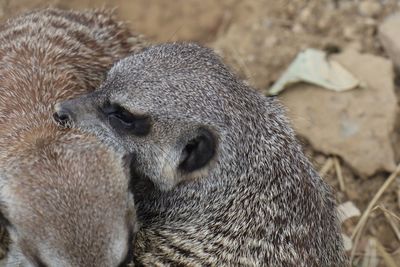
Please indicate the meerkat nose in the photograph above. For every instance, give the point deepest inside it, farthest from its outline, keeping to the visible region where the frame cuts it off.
(62, 116)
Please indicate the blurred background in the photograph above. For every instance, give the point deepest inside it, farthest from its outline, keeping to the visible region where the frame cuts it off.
(352, 137)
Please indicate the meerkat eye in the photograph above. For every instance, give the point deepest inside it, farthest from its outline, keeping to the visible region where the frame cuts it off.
(124, 121)
(198, 151)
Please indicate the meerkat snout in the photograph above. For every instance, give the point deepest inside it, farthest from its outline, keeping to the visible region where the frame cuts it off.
(62, 116)
(118, 117)
(186, 155)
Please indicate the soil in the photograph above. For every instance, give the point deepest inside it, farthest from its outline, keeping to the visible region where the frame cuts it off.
(259, 38)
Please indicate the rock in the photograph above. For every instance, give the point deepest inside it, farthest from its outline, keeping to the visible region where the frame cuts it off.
(305, 15)
(356, 125)
(271, 41)
(251, 36)
(345, 5)
(325, 22)
(350, 32)
(369, 8)
(389, 35)
(355, 46)
(297, 28)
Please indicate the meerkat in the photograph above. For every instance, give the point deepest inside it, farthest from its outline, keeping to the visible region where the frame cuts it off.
(219, 177)
(64, 196)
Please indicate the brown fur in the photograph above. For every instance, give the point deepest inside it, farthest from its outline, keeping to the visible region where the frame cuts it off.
(63, 195)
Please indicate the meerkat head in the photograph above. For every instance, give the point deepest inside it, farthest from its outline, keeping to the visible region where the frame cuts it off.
(67, 203)
(165, 105)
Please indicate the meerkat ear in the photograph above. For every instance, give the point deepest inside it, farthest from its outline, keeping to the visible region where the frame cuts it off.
(198, 151)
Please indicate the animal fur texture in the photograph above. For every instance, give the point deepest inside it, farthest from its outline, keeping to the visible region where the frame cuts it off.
(64, 196)
(257, 202)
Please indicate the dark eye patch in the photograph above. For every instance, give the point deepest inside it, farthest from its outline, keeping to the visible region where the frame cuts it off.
(124, 121)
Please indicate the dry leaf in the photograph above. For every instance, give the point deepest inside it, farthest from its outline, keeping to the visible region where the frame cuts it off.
(313, 66)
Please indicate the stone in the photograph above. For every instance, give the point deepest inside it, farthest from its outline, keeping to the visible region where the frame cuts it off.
(369, 8)
(389, 35)
(350, 32)
(356, 125)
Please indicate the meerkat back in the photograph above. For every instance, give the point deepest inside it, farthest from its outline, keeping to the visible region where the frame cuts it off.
(64, 196)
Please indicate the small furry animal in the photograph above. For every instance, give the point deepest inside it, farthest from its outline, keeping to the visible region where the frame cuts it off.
(219, 178)
(64, 196)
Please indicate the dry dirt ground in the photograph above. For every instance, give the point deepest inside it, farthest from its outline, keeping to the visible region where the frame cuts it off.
(259, 38)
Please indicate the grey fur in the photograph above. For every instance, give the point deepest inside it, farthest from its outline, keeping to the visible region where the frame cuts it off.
(258, 202)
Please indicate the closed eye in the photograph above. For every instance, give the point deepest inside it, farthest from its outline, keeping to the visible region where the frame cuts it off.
(119, 112)
(125, 122)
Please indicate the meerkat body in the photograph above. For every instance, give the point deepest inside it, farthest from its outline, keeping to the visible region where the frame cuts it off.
(64, 196)
(218, 176)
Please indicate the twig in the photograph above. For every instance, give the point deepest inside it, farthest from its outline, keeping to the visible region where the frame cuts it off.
(355, 245)
(389, 217)
(398, 192)
(388, 211)
(370, 258)
(372, 203)
(361, 223)
(326, 168)
(224, 25)
(339, 175)
(393, 225)
(389, 261)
